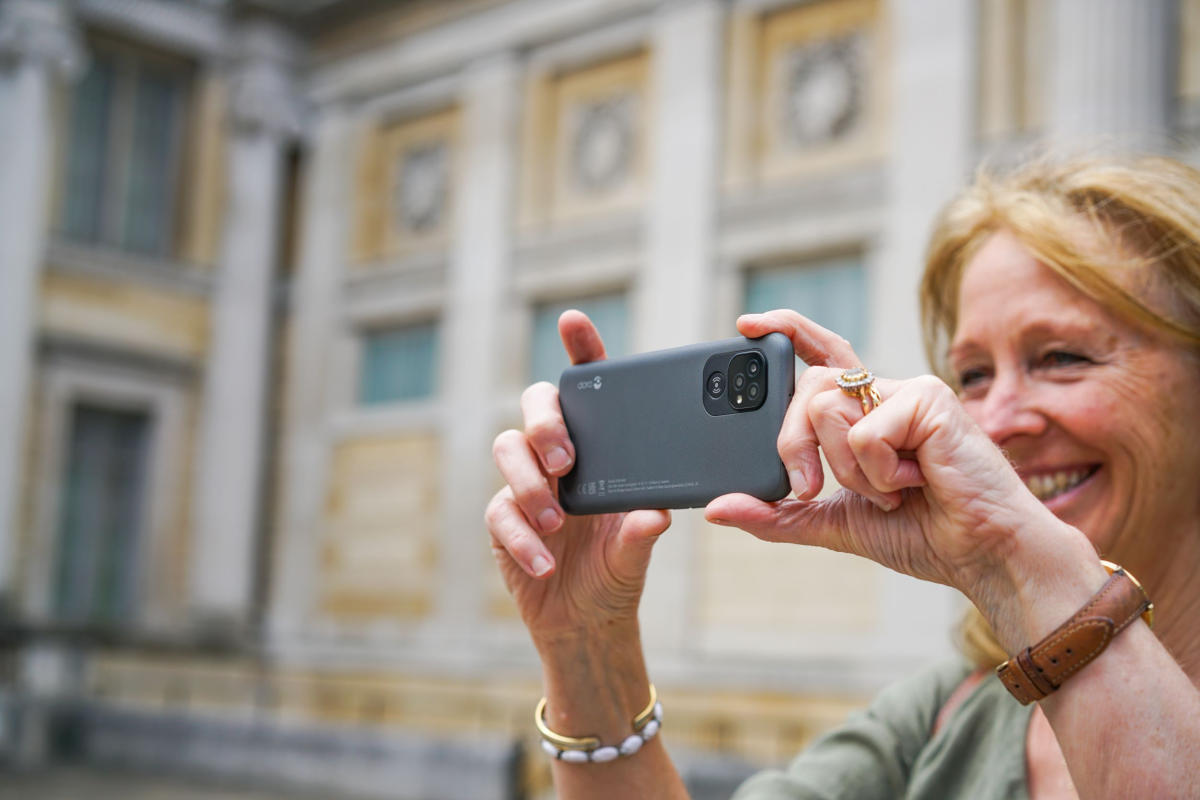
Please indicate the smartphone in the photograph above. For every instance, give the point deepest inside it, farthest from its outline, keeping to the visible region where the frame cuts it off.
(677, 428)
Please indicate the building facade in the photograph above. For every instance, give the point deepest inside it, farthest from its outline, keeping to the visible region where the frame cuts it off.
(274, 274)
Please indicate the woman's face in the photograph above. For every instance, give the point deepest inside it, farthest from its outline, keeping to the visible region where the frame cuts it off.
(1101, 418)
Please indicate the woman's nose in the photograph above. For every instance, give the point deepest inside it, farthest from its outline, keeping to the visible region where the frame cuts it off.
(1007, 410)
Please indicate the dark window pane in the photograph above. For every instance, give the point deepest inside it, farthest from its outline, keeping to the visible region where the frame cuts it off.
(827, 292)
(100, 516)
(148, 208)
(549, 358)
(87, 153)
(399, 364)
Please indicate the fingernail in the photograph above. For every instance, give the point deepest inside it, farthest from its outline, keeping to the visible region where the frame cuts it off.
(799, 482)
(557, 459)
(719, 521)
(881, 504)
(540, 566)
(548, 519)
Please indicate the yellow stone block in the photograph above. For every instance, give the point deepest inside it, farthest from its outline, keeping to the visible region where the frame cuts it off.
(124, 315)
(382, 519)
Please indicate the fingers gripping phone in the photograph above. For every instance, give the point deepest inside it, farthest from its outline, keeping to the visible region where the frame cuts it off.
(677, 428)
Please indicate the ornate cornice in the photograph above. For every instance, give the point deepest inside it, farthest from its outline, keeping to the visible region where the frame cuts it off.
(194, 28)
(43, 32)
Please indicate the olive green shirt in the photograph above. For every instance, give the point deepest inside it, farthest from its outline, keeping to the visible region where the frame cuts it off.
(889, 751)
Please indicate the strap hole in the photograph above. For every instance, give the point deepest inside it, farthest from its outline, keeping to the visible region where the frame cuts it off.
(1039, 669)
(1054, 661)
(1068, 651)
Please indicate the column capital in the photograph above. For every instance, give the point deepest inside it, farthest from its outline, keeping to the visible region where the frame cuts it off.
(42, 32)
(265, 95)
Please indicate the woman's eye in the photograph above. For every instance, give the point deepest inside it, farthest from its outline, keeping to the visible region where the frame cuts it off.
(1061, 358)
(971, 377)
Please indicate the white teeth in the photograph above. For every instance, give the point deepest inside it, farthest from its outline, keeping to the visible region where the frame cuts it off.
(1051, 485)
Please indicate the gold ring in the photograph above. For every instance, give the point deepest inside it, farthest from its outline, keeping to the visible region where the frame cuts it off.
(860, 384)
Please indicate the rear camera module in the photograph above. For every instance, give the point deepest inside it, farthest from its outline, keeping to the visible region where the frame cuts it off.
(747, 393)
(734, 382)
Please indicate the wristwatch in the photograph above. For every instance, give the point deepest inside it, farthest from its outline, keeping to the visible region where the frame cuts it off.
(1039, 671)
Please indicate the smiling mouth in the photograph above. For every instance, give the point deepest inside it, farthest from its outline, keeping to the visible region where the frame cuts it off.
(1048, 485)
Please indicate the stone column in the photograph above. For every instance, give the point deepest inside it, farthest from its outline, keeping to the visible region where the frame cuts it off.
(476, 284)
(931, 86)
(673, 304)
(1114, 72)
(38, 44)
(263, 116)
(316, 292)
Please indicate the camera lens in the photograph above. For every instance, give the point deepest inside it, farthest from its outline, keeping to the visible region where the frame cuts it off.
(716, 384)
(739, 381)
(753, 367)
(752, 392)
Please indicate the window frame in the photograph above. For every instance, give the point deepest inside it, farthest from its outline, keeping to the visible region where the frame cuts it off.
(536, 303)
(70, 378)
(362, 344)
(821, 261)
(130, 62)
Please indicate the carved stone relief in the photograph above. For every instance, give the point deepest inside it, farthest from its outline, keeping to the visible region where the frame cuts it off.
(602, 143)
(421, 186)
(824, 91)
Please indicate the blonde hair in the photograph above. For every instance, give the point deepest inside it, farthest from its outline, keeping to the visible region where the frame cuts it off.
(1140, 261)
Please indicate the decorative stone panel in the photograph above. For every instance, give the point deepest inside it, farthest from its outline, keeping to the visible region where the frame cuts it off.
(585, 141)
(404, 196)
(381, 528)
(806, 90)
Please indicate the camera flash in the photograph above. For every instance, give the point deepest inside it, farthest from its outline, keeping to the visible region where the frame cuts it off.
(739, 398)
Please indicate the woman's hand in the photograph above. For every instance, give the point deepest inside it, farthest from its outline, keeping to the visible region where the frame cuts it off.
(925, 491)
(568, 575)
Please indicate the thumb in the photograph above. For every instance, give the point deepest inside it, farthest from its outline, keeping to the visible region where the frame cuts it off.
(635, 538)
(811, 522)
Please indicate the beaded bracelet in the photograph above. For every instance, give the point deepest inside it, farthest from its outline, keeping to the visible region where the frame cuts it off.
(588, 748)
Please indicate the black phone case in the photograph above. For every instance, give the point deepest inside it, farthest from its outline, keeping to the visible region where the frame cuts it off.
(645, 437)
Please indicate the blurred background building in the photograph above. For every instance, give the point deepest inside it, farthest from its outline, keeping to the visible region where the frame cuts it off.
(273, 274)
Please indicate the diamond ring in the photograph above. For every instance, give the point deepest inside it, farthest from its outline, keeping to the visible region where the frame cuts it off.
(860, 384)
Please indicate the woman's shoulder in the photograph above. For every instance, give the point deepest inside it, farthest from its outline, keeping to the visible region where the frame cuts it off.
(872, 754)
(923, 694)
(897, 742)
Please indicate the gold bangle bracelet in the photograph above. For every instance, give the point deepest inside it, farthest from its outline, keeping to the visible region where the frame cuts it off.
(588, 742)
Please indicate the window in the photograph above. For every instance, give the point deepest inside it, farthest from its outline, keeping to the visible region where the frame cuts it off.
(122, 156)
(829, 292)
(608, 312)
(399, 364)
(100, 519)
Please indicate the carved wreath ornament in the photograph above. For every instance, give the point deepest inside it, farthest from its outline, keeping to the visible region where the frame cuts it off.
(602, 144)
(421, 187)
(823, 90)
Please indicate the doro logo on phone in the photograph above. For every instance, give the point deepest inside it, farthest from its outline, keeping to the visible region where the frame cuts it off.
(594, 383)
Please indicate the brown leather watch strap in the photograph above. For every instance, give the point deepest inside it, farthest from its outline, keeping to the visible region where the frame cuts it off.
(1040, 670)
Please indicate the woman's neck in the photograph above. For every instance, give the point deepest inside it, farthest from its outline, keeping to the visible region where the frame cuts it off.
(1174, 587)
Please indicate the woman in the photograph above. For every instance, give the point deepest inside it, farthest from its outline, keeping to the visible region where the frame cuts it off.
(1064, 304)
